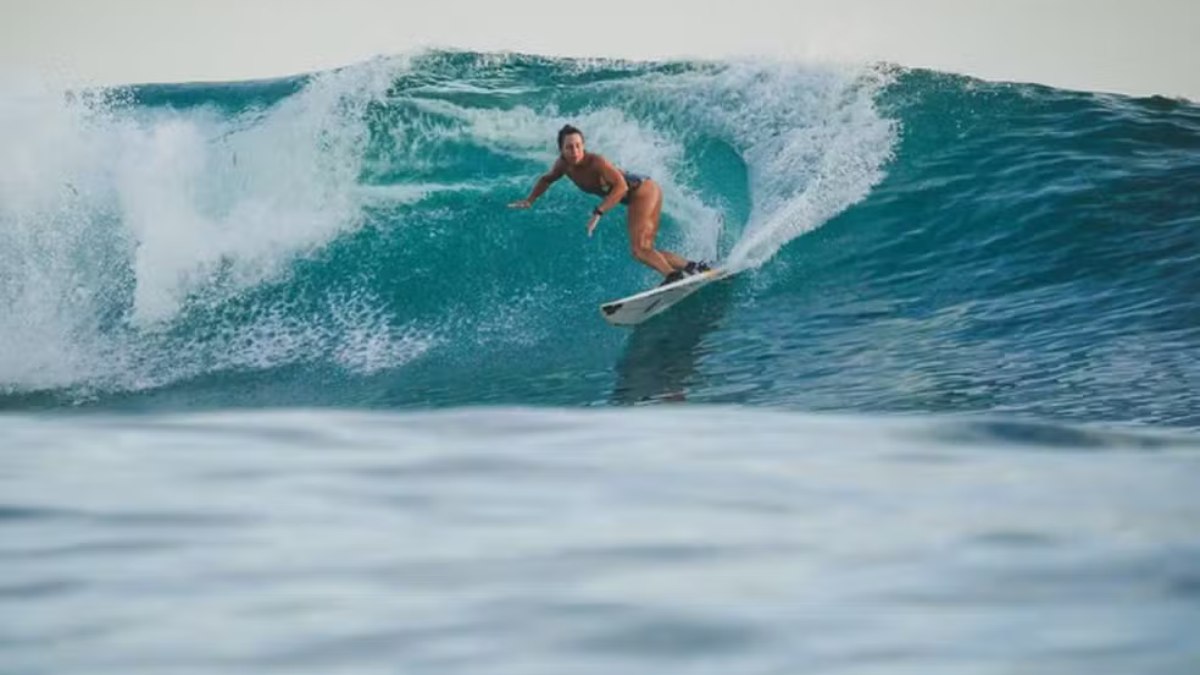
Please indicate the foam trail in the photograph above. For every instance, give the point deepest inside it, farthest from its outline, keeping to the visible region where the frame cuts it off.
(814, 144)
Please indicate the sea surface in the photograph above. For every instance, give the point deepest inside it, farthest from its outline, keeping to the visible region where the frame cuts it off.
(285, 387)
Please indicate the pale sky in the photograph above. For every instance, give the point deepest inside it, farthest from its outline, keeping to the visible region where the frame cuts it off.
(1129, 46)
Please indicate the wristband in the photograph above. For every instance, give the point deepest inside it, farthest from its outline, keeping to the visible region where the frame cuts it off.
(597, 212)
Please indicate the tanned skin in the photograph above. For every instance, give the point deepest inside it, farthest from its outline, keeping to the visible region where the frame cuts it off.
(595, 175)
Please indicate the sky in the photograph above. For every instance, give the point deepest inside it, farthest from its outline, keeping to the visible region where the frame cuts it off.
(1143, 47)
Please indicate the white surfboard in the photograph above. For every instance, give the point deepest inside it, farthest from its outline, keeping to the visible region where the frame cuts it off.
(637, 308)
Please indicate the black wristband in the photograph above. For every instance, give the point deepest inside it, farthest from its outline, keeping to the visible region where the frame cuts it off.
(597, 212)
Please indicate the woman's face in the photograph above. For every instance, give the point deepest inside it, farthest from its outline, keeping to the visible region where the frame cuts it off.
(572, 149)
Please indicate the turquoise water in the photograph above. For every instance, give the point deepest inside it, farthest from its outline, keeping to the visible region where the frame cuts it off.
(288, 388)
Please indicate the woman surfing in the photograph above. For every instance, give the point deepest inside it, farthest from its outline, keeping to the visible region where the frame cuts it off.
(595, 175)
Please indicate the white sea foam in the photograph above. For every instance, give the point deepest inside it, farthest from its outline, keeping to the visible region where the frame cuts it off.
(811, 138)
(114, 217)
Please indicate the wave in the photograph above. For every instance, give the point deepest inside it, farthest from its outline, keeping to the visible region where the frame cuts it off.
(341, 238)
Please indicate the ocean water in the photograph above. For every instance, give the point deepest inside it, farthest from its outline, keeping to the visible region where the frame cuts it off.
(286, 387)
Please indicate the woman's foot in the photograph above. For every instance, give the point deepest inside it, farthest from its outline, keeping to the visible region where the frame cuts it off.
(671, 278)
(696, 267)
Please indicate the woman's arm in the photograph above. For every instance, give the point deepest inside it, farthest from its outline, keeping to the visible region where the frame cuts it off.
(615, 194)
(543, 183)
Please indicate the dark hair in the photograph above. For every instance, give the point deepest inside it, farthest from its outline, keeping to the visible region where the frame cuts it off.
(567, 130)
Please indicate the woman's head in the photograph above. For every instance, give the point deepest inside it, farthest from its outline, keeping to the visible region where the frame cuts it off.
(570, 144)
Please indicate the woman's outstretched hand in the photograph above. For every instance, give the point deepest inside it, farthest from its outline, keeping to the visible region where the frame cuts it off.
(592, 223)
(520, 204)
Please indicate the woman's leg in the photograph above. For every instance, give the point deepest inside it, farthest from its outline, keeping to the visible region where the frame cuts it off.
(645, 210)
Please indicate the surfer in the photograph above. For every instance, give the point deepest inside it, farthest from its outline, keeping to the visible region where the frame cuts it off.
(596, 175)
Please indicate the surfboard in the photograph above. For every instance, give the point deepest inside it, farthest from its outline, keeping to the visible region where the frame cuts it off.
(637, 308)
